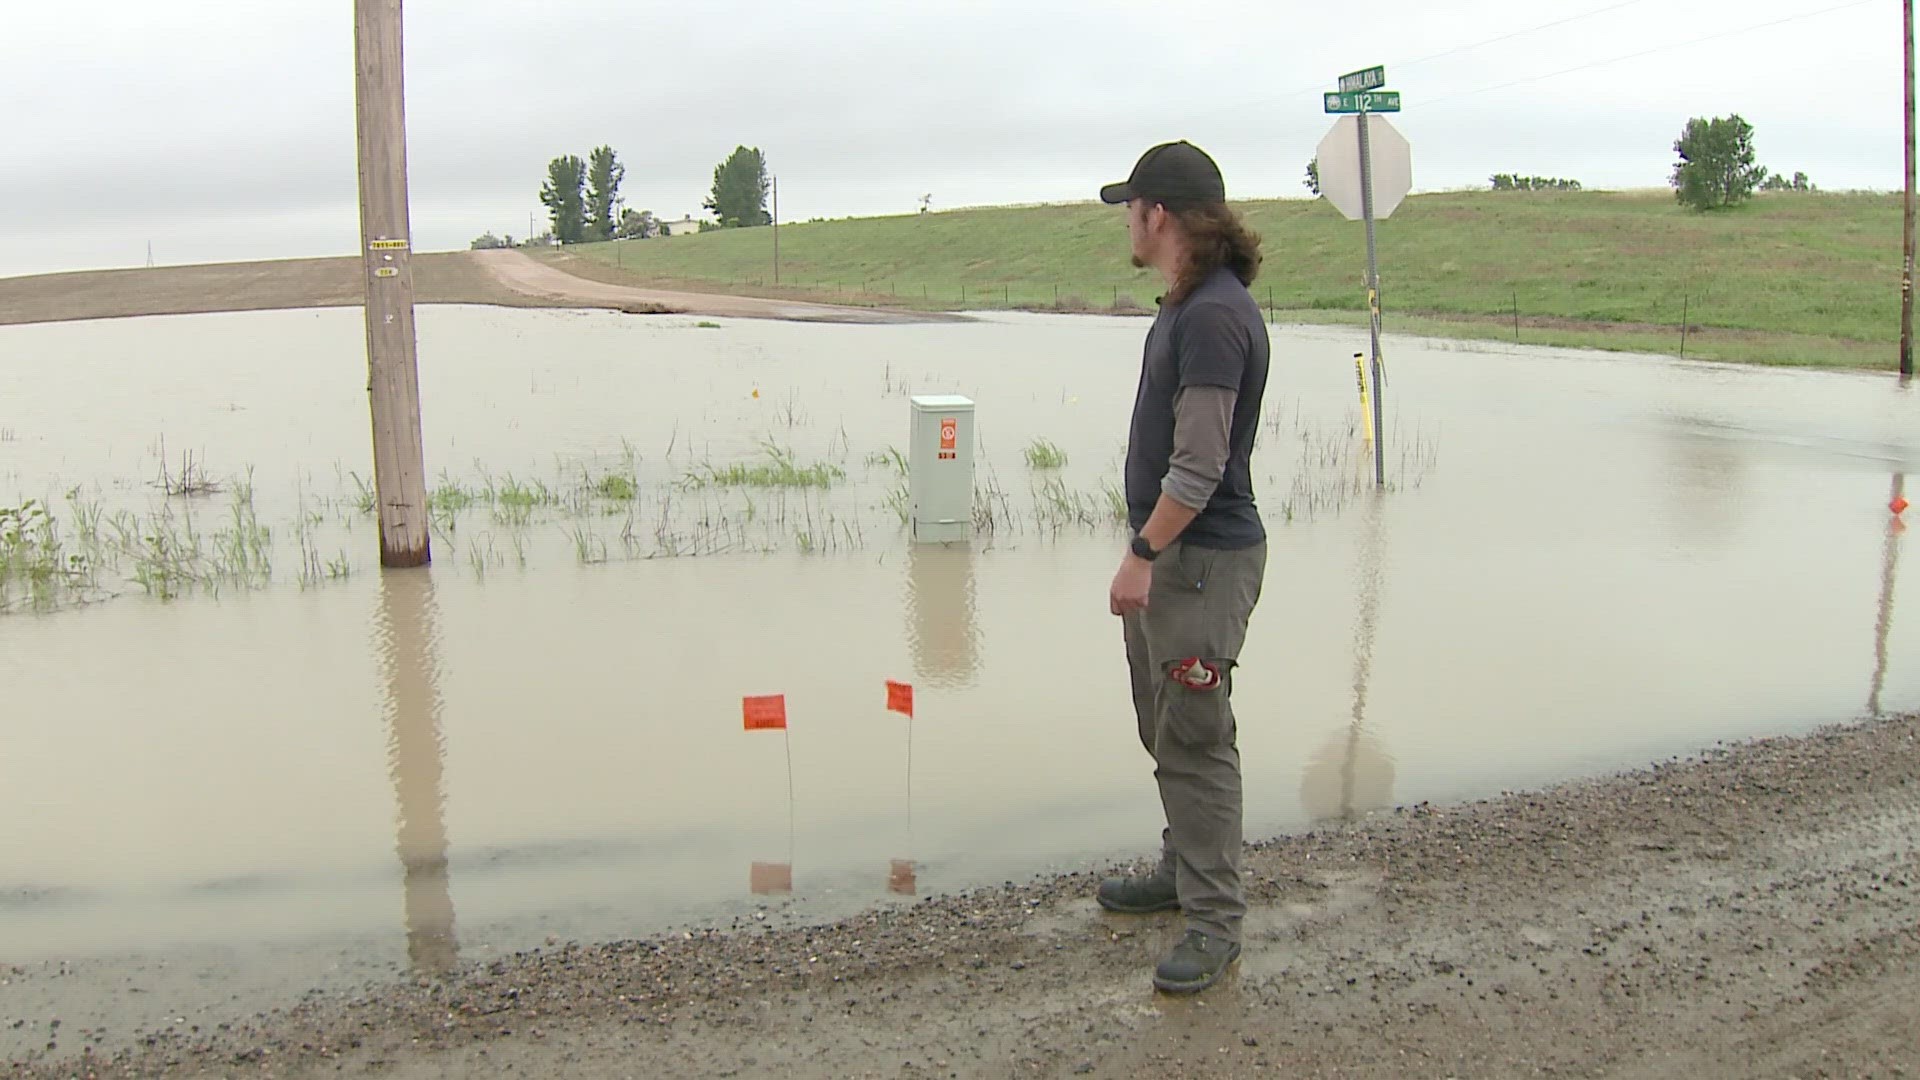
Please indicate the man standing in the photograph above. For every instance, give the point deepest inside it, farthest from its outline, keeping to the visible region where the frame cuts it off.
(1192, 576)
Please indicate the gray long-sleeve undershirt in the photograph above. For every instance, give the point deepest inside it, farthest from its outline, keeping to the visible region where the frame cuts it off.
(1202, 436)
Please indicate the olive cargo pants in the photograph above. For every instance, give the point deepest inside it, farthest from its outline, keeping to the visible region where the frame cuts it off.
(1182, 651)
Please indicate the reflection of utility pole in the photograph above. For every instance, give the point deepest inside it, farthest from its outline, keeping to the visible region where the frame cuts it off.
(1883, 623)
(416, 751)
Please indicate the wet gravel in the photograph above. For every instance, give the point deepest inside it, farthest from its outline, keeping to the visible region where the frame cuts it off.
(1749, 911)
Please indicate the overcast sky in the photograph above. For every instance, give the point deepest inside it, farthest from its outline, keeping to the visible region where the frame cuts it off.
(224, 129)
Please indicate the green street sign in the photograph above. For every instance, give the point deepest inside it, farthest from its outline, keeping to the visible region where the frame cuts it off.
(1372, 78)
(1379, 101)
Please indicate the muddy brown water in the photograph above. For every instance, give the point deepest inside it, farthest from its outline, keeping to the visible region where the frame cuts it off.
(214, 804)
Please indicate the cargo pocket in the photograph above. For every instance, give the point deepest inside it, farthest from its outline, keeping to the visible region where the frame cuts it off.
(1195, 702)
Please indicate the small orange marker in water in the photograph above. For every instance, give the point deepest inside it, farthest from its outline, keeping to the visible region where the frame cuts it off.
(756, 393)
(765, 713)
(1899, 505)
(899, 698)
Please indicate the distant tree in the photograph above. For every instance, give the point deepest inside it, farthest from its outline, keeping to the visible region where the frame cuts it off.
(1716, 168)
(1312, 182)
(1801, 183)
(740, 185)
(639, 225)
(604, 174)
(1776, 182)
(564, 196)
(490, 242)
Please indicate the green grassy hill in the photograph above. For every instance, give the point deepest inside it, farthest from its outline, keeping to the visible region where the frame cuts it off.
(1787, 279)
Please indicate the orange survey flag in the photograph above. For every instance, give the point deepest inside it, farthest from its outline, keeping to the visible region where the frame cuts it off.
(900, 697)
(767, 713)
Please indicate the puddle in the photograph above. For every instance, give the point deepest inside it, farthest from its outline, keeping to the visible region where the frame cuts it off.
(1587, 562)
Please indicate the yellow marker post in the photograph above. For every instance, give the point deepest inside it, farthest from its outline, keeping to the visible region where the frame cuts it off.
(1360, 377)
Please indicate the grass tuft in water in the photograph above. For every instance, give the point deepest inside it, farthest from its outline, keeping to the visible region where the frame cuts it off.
(779, 470)
(1045, 454)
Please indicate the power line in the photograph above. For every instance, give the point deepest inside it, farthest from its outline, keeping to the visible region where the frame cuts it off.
(1320, 88)
(1646, 52)
(1517, 33)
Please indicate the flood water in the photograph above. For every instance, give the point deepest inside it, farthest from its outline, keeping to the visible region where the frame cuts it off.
(1584, 563)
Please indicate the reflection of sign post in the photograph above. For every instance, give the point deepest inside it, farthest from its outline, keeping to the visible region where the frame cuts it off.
(1366, 168)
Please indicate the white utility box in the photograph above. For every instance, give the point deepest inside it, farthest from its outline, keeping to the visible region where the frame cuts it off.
(940, 469)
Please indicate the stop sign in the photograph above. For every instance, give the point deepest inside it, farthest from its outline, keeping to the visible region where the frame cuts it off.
(1339, 155)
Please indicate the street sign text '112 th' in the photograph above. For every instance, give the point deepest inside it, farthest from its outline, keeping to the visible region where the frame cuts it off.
(1376, 101)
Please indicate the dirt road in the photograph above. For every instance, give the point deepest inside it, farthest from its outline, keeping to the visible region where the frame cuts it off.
(1752, 912)
(500, 278)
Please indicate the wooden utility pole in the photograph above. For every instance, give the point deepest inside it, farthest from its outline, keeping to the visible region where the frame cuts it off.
(393, 380)
(1906, 272)
(776, 230)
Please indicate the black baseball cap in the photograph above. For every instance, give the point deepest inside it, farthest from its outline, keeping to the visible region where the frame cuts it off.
(1172, 172)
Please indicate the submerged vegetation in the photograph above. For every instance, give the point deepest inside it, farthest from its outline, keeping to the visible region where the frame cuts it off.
(198, 532)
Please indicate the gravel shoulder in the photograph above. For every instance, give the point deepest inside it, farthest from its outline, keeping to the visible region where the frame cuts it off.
(497, 278)
(1750, 911)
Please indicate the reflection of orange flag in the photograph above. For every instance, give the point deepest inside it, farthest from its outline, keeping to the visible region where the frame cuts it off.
(900, 697)
(767, 713)
(900, 877)
(768, 878)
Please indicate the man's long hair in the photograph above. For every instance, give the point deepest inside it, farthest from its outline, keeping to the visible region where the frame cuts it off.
(1216, 237)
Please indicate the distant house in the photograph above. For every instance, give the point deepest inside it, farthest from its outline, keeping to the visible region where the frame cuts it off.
(686, 226)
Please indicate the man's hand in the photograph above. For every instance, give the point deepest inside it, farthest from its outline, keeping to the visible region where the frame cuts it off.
(1130, 586)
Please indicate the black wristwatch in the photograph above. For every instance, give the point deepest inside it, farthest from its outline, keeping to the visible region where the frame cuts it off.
(1144, 549)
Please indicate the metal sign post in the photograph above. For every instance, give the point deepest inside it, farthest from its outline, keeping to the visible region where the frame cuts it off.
(1373, 306)
(1365, 173)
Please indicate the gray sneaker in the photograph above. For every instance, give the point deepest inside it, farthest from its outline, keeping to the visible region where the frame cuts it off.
(1195, 964)
(1138, 895)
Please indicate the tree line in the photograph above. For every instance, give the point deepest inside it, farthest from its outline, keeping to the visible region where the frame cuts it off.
(1717, 168)
(584, 203)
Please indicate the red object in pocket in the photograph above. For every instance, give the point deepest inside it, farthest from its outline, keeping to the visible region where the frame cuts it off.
(1195, 674)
